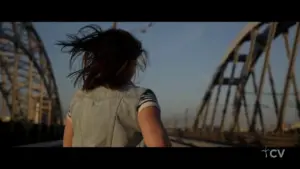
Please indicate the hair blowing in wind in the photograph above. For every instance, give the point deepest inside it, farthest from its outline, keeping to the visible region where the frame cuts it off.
(111, 57)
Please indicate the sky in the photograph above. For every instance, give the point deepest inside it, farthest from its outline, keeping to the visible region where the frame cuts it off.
(183, 57)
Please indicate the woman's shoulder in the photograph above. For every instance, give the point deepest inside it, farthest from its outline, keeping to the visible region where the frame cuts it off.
(146, 96)
(133, 89)
(148, 93)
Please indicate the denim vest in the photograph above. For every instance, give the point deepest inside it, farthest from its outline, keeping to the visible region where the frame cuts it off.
(106, 118)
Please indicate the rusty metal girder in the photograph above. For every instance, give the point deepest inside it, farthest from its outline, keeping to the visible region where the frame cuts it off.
(260, 45)
(27, 83)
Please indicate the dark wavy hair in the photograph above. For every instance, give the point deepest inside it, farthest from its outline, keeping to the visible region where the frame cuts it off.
(110, 58)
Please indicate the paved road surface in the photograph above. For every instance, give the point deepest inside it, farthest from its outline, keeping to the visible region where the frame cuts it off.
(176, 142)
(193, 143)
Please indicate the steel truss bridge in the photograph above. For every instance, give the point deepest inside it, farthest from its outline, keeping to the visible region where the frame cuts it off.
(244, 80)
(28, 88)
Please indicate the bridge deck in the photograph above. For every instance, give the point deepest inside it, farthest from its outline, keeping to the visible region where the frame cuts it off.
(176, 142)
(182, 142)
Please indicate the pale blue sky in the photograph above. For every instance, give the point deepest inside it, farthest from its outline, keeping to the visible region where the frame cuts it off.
(183, 58)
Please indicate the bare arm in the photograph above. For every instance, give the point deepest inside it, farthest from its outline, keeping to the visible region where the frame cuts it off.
(68, 132)
(152, 128)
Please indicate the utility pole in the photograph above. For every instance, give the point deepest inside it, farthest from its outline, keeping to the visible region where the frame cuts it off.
(114, 25)
(294, 105)
(186, 119)
(175, 122)
(139, 30)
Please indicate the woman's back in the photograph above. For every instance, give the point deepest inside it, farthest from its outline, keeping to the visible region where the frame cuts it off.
(106, 118)
(109, 111)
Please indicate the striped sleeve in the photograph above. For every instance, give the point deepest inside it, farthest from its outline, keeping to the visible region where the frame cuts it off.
(147, 99)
